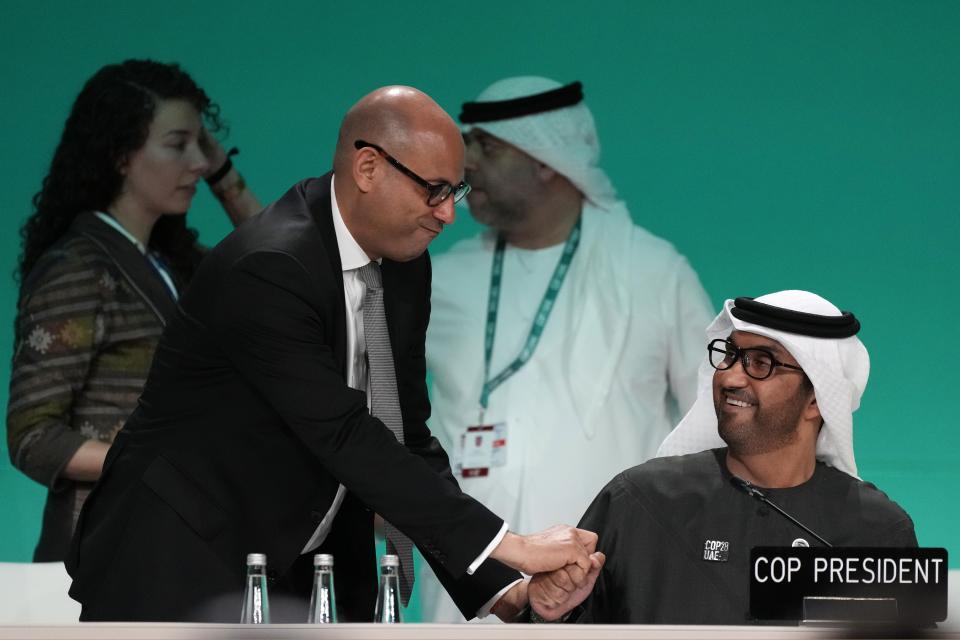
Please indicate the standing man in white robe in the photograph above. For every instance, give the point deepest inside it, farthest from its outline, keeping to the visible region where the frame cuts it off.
(577, 340)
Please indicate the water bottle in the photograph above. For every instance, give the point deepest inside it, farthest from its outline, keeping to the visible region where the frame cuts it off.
(388, 598)
(256, 605)
(322, 603)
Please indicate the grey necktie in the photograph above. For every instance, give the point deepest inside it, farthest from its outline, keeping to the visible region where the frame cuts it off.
(385, 402)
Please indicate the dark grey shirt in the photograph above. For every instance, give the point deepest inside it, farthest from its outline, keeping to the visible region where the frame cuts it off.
(656, 520)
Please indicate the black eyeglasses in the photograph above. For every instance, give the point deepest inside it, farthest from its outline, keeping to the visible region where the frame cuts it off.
(436, 193)
(757, 362)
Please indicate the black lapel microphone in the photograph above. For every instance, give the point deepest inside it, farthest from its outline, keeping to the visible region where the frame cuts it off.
(756, 493)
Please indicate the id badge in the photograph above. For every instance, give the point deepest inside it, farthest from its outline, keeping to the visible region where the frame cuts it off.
(482, 447)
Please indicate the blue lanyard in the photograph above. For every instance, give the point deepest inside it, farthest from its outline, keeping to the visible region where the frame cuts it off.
(164, 274)
(154, 261)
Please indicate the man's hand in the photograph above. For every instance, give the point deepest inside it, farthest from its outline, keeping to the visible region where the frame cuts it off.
(552, 595)
(510, 604)
(553, 548)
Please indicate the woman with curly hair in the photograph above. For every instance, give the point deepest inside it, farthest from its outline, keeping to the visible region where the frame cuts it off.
(105, 256)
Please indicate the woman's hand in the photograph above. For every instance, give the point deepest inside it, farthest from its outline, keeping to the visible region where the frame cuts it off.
(238, 201)
(213, 150)
(87, 463)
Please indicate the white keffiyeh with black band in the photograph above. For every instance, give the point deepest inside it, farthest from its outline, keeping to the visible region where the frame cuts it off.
(564, 139)
(838, 369)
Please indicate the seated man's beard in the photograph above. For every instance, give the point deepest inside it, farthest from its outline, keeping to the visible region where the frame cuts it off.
(769, 428)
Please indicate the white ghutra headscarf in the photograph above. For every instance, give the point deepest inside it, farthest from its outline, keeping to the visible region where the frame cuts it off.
(565, 138)
(837, 368)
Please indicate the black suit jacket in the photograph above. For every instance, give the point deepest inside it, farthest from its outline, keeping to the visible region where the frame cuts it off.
(246, 427)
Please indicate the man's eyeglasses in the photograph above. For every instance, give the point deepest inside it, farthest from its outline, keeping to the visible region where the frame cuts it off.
(757, 362)
(436, 193)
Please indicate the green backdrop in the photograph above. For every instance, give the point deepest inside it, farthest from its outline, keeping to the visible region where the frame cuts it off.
(809, 145)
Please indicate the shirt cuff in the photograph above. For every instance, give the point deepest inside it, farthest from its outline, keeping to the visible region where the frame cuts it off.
(484, 611)
(488, 550)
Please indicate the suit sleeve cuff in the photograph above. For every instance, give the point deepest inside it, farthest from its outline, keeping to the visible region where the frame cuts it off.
(484, 611)
(488, 550)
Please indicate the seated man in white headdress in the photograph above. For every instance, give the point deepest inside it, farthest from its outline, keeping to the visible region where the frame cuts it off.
(783, 375)
(564, 337)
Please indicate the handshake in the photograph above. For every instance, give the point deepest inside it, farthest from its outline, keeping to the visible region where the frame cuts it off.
(564, 564)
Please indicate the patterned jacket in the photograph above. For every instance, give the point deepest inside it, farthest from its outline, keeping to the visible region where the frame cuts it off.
(89, 318)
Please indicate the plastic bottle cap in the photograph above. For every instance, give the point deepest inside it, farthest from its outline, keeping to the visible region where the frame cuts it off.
(256, 558)
(389, 560)
(321, 559)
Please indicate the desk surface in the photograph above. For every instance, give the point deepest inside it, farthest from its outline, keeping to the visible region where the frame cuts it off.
(187, 631)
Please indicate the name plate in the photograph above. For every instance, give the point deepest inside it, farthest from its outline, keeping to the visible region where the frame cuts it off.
(849, 584)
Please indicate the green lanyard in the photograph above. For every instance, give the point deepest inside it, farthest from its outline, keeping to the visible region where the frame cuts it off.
(539, 322)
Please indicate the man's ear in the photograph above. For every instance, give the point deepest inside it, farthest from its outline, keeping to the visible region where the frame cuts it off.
(812, 411)
(545, 173)
(365, 169)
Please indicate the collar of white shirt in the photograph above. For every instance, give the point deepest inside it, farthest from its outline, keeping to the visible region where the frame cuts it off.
(352, 256)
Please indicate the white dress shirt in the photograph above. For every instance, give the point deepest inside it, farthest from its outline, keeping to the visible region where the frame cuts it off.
(352, 257)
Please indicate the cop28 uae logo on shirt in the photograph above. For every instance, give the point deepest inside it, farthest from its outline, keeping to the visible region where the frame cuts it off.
(716, 550)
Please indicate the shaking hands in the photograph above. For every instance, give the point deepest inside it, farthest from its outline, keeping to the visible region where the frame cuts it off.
(564, 563)
(547, 550)
(554, 594)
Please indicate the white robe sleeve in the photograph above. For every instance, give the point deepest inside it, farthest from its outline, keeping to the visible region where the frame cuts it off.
(687, 310)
